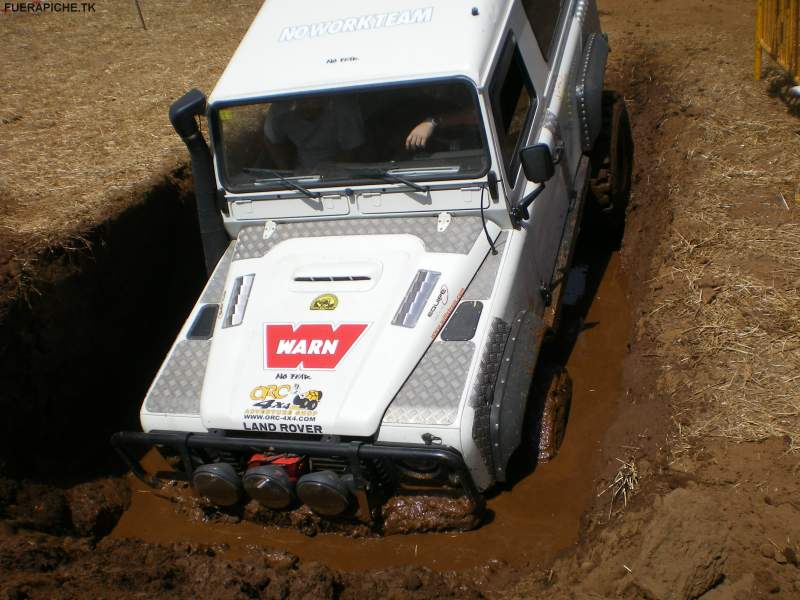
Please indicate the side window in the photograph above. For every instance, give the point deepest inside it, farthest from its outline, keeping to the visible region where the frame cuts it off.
(543, 15)
(513, 105)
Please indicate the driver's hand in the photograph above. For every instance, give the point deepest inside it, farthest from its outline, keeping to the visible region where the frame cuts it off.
(420, 135)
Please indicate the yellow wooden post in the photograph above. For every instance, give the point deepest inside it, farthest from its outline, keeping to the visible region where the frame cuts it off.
(794, 67)
(759, 21)
(778, 34)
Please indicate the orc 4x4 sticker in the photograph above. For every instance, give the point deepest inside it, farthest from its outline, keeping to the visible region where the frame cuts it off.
(283, 408)
(270, 396)
(310, 345)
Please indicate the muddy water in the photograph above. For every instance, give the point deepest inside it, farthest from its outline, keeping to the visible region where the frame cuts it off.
(538, 517)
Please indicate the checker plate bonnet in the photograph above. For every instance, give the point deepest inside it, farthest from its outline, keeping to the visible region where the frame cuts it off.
(245, 391)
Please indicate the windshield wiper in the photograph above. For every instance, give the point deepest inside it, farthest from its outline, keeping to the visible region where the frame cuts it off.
(415, 186)
(437, 171)
(392, 178)
(281, 178)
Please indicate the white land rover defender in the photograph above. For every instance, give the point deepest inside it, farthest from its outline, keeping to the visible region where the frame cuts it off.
(388, 201)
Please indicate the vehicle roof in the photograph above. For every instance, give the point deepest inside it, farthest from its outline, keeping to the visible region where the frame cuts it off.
(303, 45)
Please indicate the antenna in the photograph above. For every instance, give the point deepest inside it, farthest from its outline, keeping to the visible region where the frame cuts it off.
(141, 16)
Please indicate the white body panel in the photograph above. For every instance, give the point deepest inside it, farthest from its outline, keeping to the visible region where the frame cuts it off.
(317, 44)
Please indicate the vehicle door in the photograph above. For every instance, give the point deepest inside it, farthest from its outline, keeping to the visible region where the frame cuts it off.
(520, 113)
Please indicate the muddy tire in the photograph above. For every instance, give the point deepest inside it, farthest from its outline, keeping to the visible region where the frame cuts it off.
(612, 170)
(552, 387)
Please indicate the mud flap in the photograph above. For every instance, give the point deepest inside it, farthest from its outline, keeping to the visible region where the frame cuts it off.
(511, 393)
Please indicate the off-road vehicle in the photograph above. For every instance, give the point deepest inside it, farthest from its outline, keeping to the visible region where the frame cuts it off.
(388, 201)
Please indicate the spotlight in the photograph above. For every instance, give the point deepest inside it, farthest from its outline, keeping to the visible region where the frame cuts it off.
(270, 485)
(218, 482)
(324, 492)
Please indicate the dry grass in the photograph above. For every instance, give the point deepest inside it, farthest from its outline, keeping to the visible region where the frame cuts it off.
(623, 487)
(727, 299)
(741, 340)
(84, 112)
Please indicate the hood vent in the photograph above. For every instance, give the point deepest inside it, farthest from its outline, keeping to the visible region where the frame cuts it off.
(416, 298)
(329, 278)
(336, 276)
(237, 301)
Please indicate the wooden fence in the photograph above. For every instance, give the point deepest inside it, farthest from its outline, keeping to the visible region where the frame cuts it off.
(778, 33)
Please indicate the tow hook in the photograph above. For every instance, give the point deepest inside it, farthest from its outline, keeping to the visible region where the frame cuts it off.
(431, 439)
(364, 511)
(361, 489)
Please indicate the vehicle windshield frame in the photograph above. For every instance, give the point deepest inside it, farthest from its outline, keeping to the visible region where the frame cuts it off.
(215, 133)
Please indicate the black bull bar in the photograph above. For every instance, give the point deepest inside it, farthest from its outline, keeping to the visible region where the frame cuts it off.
(126, 442)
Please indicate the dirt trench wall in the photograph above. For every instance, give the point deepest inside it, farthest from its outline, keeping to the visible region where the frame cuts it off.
(81, 347)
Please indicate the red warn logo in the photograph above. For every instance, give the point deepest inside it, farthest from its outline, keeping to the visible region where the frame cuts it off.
(312, 346)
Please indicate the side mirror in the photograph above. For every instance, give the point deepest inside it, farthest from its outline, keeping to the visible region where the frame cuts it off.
(537, 163)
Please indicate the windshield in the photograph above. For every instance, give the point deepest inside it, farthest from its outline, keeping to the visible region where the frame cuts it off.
(418, 132)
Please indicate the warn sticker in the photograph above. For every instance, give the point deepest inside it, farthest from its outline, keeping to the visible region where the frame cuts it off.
(310, 346)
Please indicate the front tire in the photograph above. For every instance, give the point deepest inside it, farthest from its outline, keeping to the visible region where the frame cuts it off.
(552, 388)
